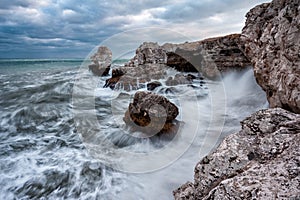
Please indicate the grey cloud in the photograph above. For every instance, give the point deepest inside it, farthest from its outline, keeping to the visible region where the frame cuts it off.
(195, 10)
(29, 28)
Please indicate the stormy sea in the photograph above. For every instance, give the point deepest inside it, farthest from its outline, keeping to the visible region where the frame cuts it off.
(45, 153)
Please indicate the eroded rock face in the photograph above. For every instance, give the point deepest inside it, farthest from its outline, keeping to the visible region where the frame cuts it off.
(261, 161)
(148, 53)
(272, 42)
(151, 113)
(102, 60)
(209, 56)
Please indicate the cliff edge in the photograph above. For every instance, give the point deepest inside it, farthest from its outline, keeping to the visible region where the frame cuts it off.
(262, 161)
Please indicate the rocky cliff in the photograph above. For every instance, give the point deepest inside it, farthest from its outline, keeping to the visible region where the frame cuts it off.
(209, 56)
(262, 161)
(272, 42)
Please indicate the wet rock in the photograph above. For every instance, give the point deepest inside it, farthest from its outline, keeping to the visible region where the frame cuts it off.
(118, 72)
(249, 164)
(102, 60)
(271, 39)
(185, 192)
(191, 77)
(133, 78)
(178, 79)
(152, 85)
(151, 113)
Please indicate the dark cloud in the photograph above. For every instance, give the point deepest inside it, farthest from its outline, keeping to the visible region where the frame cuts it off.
(69, 28)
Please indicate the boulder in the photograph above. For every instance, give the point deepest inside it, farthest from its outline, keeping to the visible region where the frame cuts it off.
(102, 60)
(261, 161)
(148, 53)
(152, 85)
(178, 79)
(151, 113)
(271, 39)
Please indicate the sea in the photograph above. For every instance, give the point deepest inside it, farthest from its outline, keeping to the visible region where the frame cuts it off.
(62, 135)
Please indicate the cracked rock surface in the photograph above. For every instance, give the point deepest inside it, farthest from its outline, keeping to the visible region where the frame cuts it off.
(272, 42)
(260, 161)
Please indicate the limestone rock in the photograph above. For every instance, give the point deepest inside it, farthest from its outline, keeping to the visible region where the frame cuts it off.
(261, 161)
(148, 53)
(102, 60)
(209, 56)
(272, 41)
(150, 113)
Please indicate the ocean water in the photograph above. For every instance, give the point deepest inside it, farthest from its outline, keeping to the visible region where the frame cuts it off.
(62, 135)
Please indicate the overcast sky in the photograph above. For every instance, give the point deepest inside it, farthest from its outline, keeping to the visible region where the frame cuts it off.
(72, 28)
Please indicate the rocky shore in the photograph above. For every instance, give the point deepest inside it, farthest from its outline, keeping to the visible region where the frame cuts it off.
(260, 161)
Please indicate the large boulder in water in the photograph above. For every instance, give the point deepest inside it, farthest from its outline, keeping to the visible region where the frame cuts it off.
(151, 113)
(272, 41)
(102, 60)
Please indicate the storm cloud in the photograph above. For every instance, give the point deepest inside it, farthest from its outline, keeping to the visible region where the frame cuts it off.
(71, 29)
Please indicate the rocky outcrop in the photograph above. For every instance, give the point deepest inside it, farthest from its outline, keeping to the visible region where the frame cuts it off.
(209, 56)
(148, 53)
(151, 113)
(261, 161)
(102, 60)
(133, 78)
(272, 41)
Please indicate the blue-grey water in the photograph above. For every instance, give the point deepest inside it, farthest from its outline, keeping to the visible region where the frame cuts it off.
(42, 155)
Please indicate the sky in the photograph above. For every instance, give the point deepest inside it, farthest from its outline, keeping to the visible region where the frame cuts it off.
(73, 28)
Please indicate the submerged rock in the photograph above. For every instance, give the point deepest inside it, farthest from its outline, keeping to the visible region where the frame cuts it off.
(152, 85)
(272, 42)
(102, 60)
(151, 113)
(261, 161)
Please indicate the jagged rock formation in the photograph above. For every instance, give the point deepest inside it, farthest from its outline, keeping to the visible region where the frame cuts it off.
(102, 60)
(148, 53)
(209, 56)
(272, 41)
(151, 113)
(261, 161)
